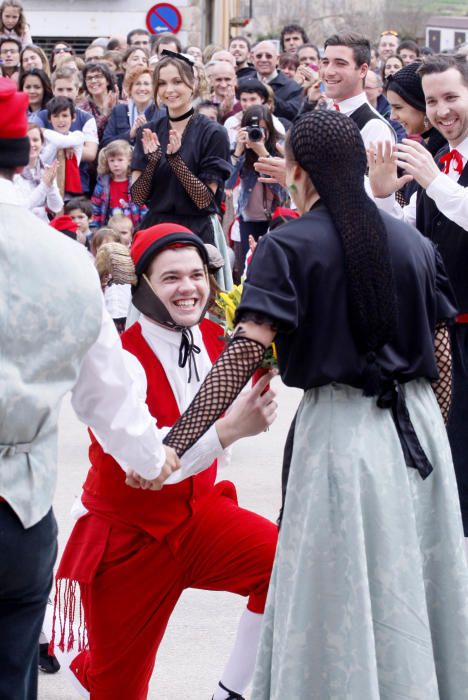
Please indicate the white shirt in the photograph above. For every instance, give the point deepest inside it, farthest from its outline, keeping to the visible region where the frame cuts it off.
(37, 196)
(107, 398)
(54, 141)
(165, 344)
(375, 129)
(450, 198)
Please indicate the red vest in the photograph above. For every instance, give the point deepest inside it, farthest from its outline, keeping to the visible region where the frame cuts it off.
(105, 492)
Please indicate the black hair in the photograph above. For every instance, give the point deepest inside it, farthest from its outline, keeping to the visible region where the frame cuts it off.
(136, 31)
(293, 29)
(359, 44)
(308, 45)
(207, 104)
(60, 104)
(262, 113)
(241, 38)
(443, 62)
(102, 68)
(165, 38)
(45, 82)
(80, 203)
(325, 144)
(408, 44)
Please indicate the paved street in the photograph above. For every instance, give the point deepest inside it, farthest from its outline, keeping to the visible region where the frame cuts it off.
(201, 630)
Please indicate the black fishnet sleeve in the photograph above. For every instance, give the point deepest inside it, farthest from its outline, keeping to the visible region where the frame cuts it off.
(443, 387)
(223, 384)
(141, 188)
(198, 192)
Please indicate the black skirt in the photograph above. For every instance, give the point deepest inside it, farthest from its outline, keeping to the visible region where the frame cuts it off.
(201, 225)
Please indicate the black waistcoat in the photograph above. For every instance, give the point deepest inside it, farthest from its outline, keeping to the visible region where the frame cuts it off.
(451, 239)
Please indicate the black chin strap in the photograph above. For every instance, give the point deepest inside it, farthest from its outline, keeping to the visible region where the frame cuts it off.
(187, 352)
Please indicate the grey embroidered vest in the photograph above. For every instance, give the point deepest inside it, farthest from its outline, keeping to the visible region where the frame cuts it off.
(50, 315)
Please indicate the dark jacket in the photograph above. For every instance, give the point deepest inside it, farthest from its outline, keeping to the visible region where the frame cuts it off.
(288, 96)
(118, 125)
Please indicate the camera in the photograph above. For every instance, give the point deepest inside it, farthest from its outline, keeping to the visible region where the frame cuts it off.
(254, 130)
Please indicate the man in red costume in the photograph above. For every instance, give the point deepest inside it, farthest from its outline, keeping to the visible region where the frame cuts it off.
(136, 549)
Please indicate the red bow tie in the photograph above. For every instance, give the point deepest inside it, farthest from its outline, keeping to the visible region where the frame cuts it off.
(447, 159)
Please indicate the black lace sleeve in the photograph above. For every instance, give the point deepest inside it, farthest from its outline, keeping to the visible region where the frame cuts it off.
(223, 384)
(443, 387)
(141, 188)
(198, 192)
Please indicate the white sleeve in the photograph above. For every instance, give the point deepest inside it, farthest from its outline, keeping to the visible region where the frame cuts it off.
(70, 140)
(108, 399)
(37, 196)
(391, 206)
(54, 198)
(377, 130)
(451, 199)
(90, 131)
(200, 456)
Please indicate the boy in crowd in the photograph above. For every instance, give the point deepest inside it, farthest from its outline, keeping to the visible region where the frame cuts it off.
(63, 145)
(79, 209)
(66, 83)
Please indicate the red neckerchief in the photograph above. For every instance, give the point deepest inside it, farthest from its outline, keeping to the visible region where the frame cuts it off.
(447, 159)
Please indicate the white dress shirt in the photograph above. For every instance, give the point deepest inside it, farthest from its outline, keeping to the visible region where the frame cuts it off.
(450, 198)
(375, 129)
(107, 398)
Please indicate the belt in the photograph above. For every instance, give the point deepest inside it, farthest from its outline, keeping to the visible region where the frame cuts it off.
(392, 397)
(18, 448)
(11, 450)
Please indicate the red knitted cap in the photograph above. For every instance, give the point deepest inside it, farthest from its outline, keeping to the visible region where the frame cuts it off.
(13, 106)
(148, 242)
(64, 223)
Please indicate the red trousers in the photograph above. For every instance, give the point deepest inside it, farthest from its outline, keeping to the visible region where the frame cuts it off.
(139, 581)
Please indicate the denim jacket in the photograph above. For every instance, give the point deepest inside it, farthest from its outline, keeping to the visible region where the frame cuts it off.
(248, 180)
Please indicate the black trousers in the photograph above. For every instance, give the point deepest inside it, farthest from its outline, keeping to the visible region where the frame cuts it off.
(457, 426)
(27, 558)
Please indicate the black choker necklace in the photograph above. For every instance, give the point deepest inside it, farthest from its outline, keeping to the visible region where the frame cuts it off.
(182, 116)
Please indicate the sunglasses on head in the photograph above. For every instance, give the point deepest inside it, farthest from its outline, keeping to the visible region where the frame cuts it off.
(390, 32)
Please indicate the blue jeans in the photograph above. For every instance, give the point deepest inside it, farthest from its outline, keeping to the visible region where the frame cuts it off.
(27, 558)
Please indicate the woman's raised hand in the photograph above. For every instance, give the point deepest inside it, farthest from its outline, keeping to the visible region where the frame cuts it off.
(175, 142)
(149, 141)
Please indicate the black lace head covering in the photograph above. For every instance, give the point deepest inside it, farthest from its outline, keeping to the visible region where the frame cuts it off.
(329, 147)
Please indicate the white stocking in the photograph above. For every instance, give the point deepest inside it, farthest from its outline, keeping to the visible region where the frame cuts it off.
(241, 663)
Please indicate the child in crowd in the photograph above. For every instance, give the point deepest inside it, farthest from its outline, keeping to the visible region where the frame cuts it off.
(13, 22)
(37, 183)
(117, 297)
(112, 192)
(124, 226)
(81, 211)
(64, 145)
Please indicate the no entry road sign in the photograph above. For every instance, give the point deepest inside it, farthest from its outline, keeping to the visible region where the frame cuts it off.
(163, 17)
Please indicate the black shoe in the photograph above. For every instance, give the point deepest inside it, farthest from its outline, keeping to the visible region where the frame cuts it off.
(47, 664)
(232, 695)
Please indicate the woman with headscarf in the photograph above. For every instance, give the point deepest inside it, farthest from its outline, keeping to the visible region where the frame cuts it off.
(369, 588)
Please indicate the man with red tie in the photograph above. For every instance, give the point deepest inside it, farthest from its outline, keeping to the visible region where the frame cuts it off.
(439, 209)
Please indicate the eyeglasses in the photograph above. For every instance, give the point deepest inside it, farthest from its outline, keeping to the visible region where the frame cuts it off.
(390, 32)
(94, 78)
(5, 52)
